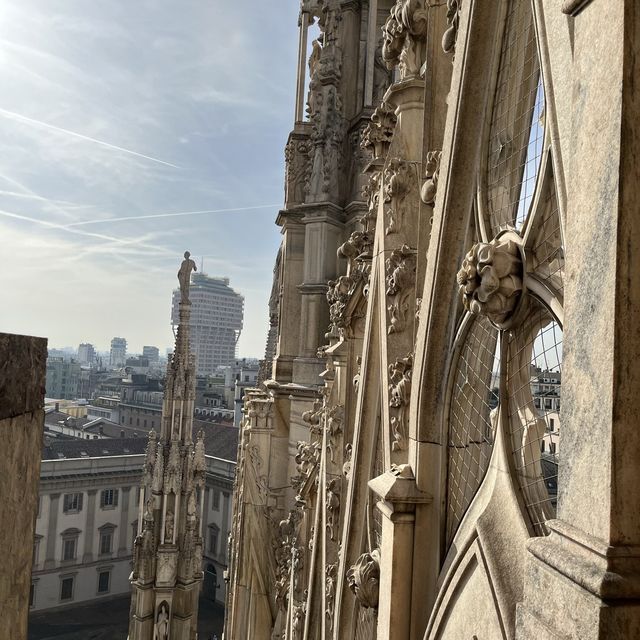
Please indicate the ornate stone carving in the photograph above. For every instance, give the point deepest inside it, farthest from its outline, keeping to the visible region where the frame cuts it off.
(173, 470)
(331, 572)
(335, 418)
(453, 21)
(330, 20)
(399, 395)
(168, 527)
(346, 467)
(400, 268)
(382, 76)
(399, 177)
(490, 279)
(432, 173)
(298, 621)
(404, 34)
(150, 459)
(371, 194)
(296, 155)
(184, 277)
(258, 408)
(378, 133)
(364, 579)
(338, 295)
(327, 128)
(306, 460)
(357, 247)
(313, 417)
(333, 506)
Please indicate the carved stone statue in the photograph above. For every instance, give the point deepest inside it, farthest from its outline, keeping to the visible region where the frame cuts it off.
(162, 623)
(184, 277)
(168, 527)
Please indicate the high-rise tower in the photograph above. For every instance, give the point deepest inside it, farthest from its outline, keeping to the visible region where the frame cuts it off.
(167, 561)
(216, 321)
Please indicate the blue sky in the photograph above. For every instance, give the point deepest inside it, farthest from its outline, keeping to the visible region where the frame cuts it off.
(115, 114)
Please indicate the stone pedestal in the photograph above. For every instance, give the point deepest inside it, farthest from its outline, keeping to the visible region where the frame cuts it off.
(398, 495)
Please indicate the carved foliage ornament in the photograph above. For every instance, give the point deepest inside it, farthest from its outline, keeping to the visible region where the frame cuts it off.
(377, 135)
(399, 396)
(400, 268)
(364, 579)
(404, 35)
(490, 279)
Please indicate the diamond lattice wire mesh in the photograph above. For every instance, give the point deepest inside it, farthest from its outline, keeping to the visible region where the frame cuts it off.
(517, 124)
(378, 469)
(366, 624)
(474, 396)
(534, 381)
(546, 253)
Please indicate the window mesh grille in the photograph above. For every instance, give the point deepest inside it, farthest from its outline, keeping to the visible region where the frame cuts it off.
(366, 624)
(534, 380)
(546, 255)
(378, 469)
(474, 396)
(517, 123)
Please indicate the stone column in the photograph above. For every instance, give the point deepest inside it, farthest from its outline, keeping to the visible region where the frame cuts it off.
(398, 495)
(123, 536)
(323, 234)
(303, 24)
(23, 362)
(54, 507)
(89, 527)
(583, 580)
(293, 245)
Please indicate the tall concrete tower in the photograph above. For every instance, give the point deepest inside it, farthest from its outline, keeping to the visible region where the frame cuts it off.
(167, 565)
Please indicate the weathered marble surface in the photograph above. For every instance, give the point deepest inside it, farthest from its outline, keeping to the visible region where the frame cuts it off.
(22, 376)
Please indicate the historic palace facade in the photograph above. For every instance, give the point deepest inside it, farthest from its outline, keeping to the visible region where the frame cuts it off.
(460, 242)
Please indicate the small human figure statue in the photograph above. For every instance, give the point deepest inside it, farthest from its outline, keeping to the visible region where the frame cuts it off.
(184, 277)
(168, 528)
(162, 624)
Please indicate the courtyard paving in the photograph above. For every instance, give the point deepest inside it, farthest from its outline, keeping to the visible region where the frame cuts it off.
(108, 620)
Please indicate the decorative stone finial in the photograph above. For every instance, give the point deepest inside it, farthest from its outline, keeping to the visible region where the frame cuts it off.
(184, 277)
(405, 33)
(490, 279)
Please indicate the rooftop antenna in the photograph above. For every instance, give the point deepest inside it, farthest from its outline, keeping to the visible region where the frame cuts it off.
(202, 264)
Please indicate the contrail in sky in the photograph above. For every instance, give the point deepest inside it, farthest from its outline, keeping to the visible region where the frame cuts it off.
(38, 123)
(169, 215)
(89, 234)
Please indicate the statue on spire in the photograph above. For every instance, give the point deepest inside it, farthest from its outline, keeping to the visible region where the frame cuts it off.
(184, 277)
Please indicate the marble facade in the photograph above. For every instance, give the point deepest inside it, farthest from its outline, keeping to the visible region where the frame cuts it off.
(459, 222)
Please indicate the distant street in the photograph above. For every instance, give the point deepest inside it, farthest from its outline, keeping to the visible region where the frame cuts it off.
(108, 620)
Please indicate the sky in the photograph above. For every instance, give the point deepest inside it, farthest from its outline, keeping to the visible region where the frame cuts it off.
(129, 133)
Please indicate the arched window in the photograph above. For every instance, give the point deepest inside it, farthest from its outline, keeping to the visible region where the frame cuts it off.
(506, 370)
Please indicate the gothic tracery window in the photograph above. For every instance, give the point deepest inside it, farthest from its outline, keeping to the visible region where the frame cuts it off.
(506, 371)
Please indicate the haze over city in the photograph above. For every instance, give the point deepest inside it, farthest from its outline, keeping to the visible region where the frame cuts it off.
(132, 132)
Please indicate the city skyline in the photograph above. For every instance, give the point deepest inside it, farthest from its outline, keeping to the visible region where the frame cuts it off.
(130, 135)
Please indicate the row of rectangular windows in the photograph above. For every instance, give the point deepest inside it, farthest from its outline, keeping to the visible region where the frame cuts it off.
(72, 502)
(67, 584)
